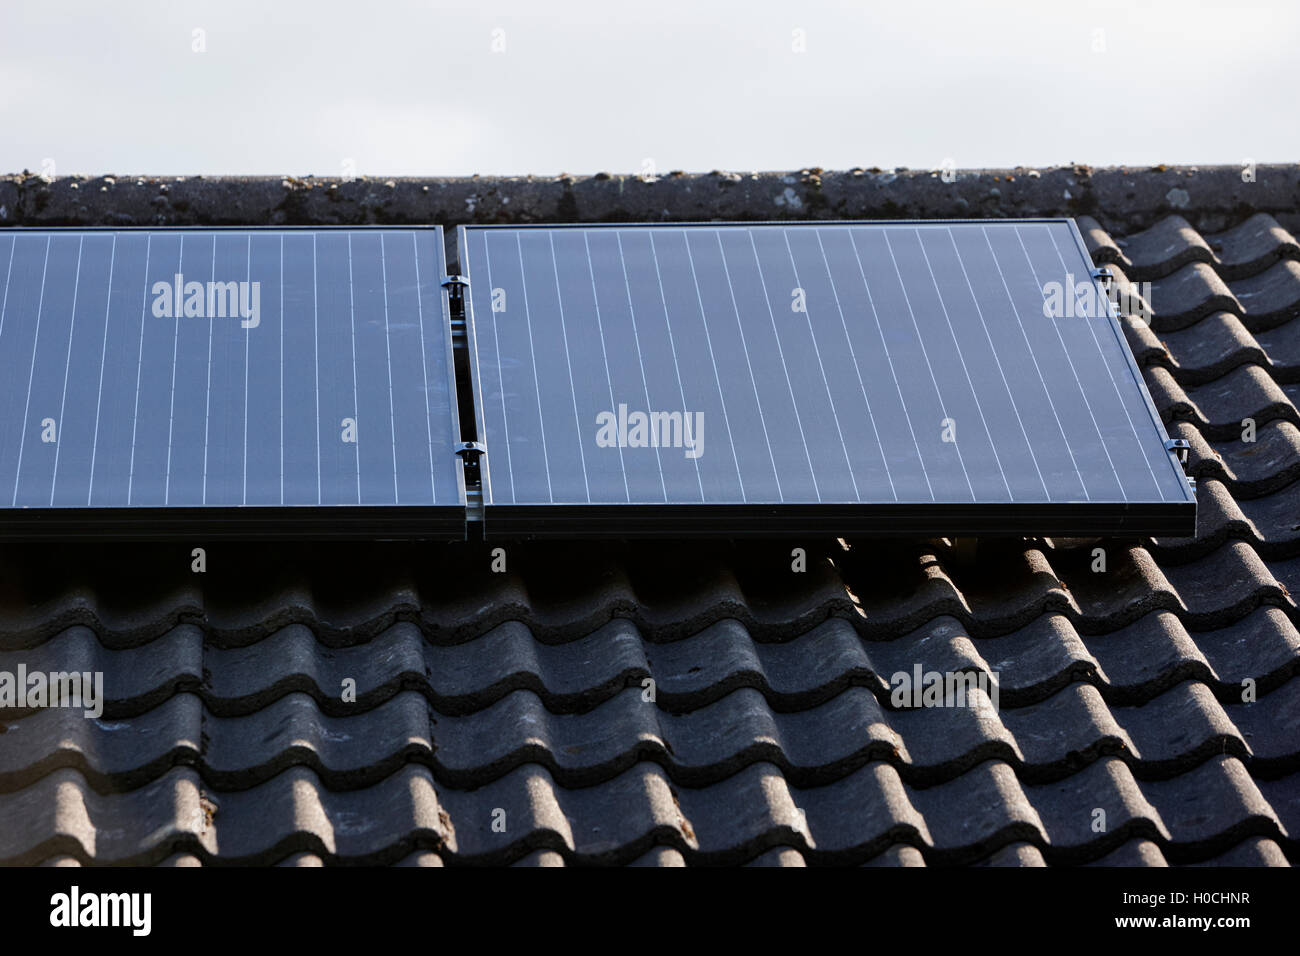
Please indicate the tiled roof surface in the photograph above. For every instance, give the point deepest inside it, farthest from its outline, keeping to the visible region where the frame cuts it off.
(517, 698)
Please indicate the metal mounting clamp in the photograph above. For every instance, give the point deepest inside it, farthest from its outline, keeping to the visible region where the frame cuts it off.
(1179, 448)
(471, 449)
(455, 286)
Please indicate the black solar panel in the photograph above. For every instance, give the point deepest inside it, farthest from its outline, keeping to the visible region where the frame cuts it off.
(717, 378)
(259, 381)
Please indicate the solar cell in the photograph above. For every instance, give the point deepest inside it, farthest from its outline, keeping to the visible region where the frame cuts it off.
(240, 381)
(727, 378)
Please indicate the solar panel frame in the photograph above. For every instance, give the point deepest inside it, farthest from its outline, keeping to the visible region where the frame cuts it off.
(1173, 515)
(440, 519)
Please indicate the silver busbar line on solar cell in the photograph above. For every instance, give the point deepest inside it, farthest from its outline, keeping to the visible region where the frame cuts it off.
(672, 379)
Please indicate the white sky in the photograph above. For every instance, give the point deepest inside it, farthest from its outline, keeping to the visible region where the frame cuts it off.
(401, 87)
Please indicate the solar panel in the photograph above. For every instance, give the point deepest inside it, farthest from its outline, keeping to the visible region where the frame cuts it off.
(900, 377)
(240, 381)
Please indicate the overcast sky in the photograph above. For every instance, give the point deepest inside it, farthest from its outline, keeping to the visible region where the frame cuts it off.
(453, 88)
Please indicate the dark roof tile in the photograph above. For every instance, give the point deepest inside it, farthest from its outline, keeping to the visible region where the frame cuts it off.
(900, 854)
(1270, 298)
(1252, 246)
(1164, 248)
(1246, 249)
(1207, 350)
(1189, 295)
(1220, 407)
(1249, 469)
(1252, 851)
(1139, 851)
(1015, 854)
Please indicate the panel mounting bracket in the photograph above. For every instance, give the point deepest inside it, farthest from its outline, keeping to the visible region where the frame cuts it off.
(1179, 448)
(456, 286)
(469, 453)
